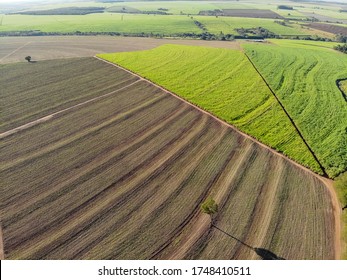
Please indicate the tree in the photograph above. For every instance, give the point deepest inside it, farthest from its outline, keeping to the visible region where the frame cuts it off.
(28, 58)
(210, 207)
(341, 48)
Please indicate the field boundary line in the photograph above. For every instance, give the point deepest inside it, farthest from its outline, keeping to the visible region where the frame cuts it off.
(220, 121)
(11, 53)
(290, 119)
(46, 118)
(326, 181)
(337, 212)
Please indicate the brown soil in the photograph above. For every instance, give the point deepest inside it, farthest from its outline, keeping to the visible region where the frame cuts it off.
(47, 118)
(334, 29)
(251, 13)
(134, 183)
(2, 255)
(14, 49)
(202, 224)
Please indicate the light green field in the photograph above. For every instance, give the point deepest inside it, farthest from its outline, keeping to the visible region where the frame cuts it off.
(326, 12)
(308, 44)
(122, 176)
(289, 13)
(225, 83)
(137, 23)
(106, 22)
(174, 7)
(343, 85)
(227, 25)
(304, 77)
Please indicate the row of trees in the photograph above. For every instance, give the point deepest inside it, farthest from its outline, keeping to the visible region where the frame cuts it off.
(341, 48)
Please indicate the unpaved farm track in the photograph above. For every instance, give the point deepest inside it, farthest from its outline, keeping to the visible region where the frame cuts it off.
(112, 178)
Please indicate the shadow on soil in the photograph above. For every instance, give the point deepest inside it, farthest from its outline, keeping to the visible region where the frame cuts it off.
(261, 252)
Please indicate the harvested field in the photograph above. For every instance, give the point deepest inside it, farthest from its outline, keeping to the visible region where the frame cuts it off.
(335, 29)
(251, 13)
(122, 177)
(14, 49)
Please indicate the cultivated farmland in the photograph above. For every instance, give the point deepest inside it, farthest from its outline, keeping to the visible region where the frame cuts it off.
(122, 177)
(228, 25)
(14, 49)
(331, 28)
(250, 13)
(105, 22)
(304, 78)
(343, 87)
(227, 86)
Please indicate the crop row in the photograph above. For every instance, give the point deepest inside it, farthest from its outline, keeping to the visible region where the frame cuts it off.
(304, 78)
(224, 83)
(122, 177)
(23, 104)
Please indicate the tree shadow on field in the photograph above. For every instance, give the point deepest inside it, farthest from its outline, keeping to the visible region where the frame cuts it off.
(261, 252)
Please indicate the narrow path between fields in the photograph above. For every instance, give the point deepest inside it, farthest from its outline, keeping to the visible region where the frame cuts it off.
(11, 53)
(47, 118)
(290, 118)
(328, 182)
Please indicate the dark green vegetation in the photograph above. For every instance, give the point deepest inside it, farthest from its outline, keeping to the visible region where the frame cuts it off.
(124, 175)
(304, 79)
(209, 206)
(341, 48)
(284, 7)
(227, 86)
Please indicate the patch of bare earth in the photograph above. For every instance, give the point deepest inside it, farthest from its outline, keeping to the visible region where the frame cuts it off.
(334, 29)
(15, 49)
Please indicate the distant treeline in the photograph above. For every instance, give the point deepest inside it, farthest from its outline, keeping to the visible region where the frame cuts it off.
(65, 11)
(109, 1)
(284, 7)
(250, 33)
(202, 36)
(341, 48)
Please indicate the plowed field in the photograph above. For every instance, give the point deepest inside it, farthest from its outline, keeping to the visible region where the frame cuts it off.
(122, 177)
